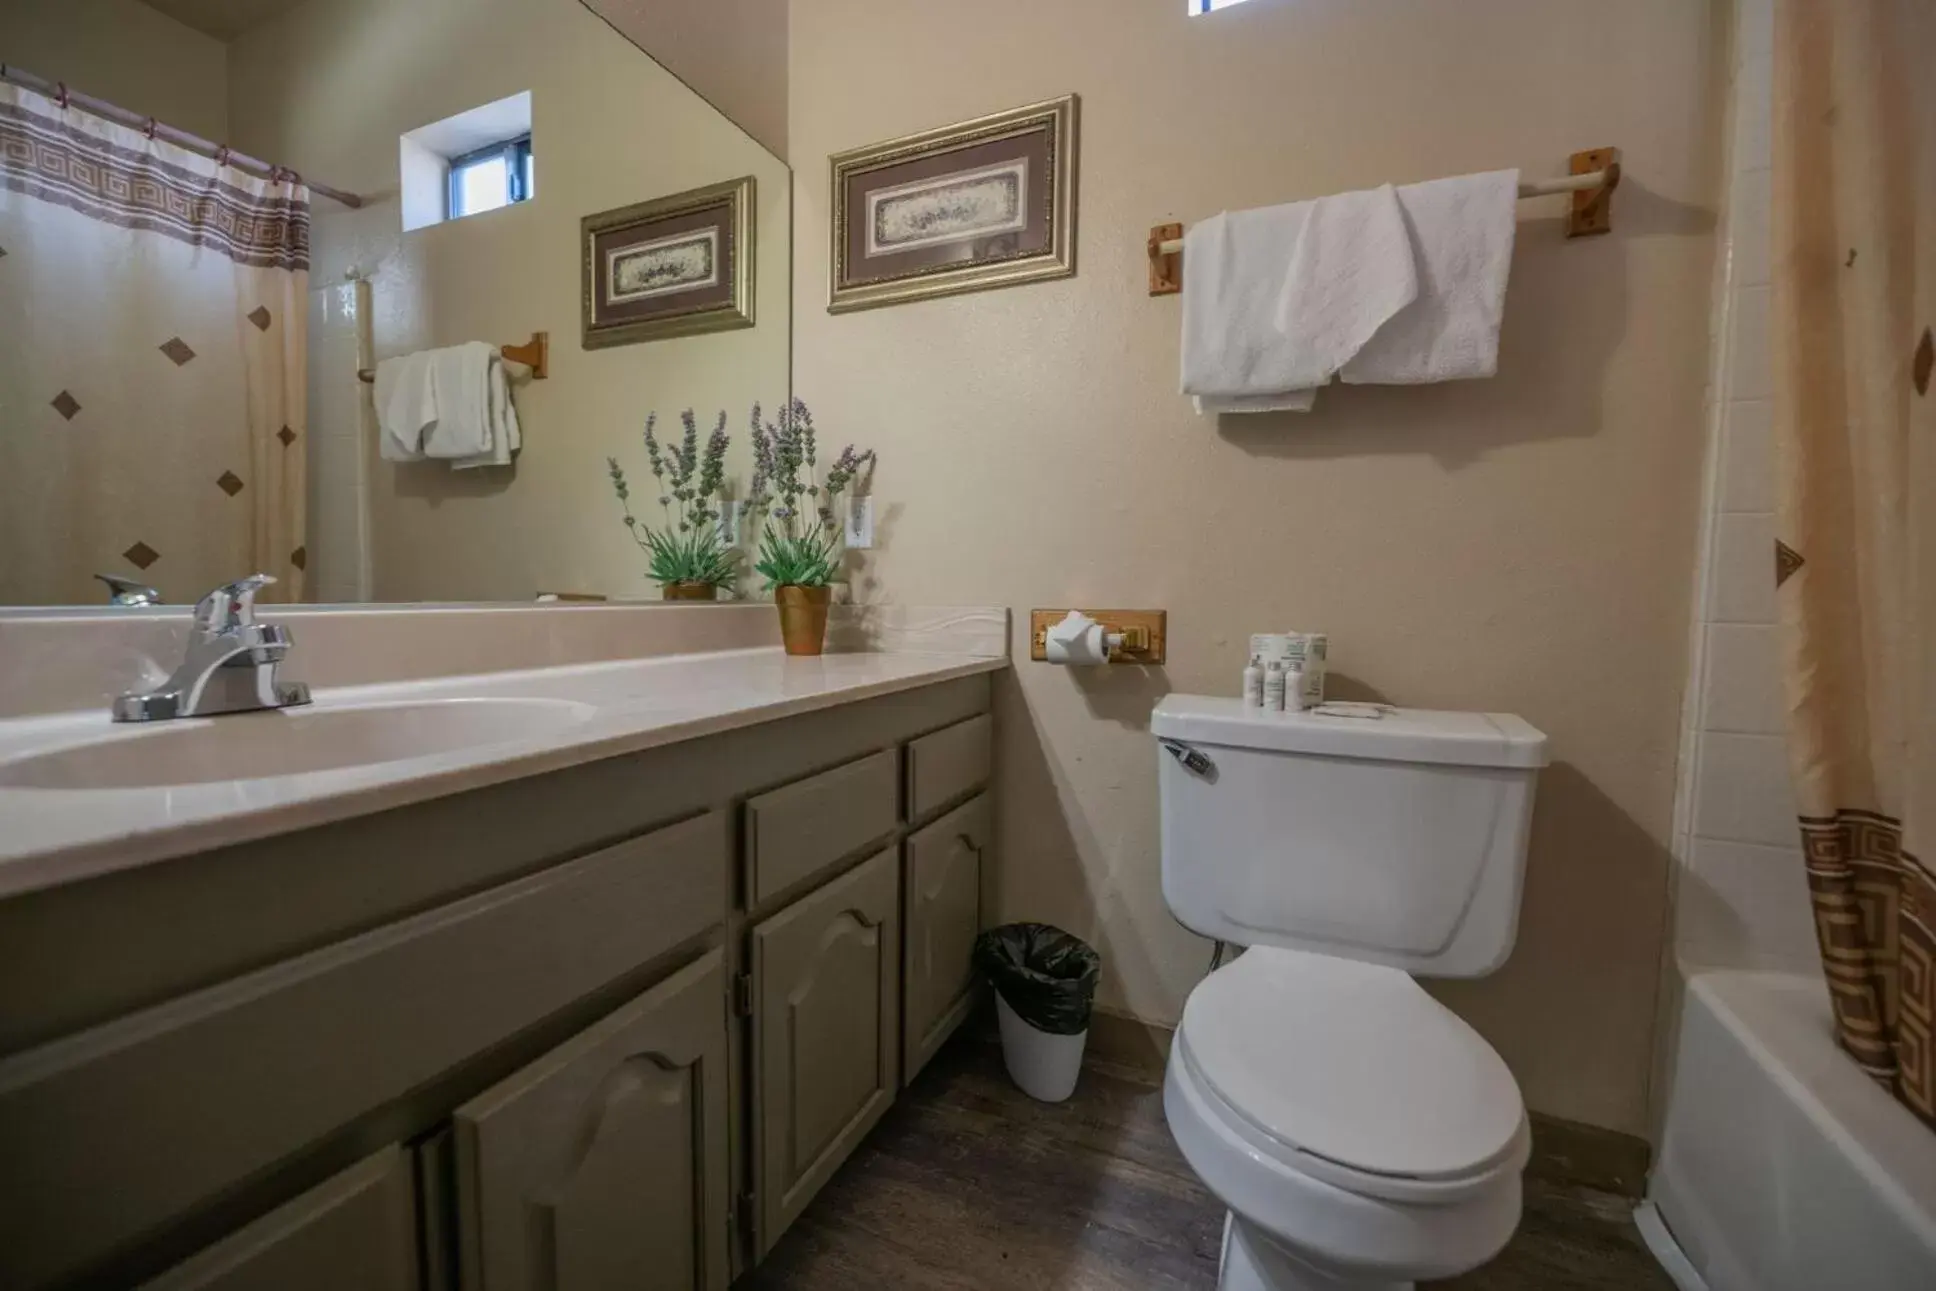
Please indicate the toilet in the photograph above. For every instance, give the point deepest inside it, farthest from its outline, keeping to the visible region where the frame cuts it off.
(1360, 1133)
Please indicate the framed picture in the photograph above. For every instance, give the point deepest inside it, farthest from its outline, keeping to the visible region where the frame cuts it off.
(676, 266)
(987, 203)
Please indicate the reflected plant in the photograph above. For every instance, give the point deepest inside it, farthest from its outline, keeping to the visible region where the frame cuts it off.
(801, 543)
(688, 547)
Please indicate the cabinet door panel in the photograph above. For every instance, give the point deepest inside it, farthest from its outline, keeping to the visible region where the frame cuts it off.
(357, 1230)
(826, 974)
(604, 1164)
(942, 882)
(794, 833)
(948, 764)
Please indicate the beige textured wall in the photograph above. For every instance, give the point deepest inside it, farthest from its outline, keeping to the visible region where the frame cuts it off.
(328, 88)
(1521, 544)
(124, 52)
(733, 52)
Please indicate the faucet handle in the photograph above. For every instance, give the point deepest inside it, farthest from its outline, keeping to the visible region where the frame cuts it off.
(232, 605)
(127, 591)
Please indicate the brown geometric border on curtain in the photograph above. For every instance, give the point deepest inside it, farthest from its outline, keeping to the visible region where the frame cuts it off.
(1874, 910)
(58, 163)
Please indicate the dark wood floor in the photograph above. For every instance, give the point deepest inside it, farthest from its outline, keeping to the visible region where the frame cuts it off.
(969, 1185)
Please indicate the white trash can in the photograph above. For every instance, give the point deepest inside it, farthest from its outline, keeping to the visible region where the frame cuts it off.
(1044, 1065)
(1045, 987)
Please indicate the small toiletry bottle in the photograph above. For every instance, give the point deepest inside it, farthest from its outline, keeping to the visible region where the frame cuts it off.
(1274, 687)
(1254, 684)
(1294, 697)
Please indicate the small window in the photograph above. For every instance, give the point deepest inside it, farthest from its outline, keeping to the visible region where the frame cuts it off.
(1208, 6)
(490, 177)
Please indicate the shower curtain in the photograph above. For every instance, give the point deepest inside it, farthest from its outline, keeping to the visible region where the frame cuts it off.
(152, 317)
(1855, 561)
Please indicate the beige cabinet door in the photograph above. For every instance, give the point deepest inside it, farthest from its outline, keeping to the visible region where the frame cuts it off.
(826, 1035)
(357, 1230)
(942, 883)
(603, 1165)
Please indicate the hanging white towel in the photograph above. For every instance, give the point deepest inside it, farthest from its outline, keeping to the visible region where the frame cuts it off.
(1237, 261)
(1350, 273)
(462, 375)
(1290, 294)
(406, 406)
(506, 438)
(1461, 232)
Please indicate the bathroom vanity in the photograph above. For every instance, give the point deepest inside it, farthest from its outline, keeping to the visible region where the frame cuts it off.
(603, 1011)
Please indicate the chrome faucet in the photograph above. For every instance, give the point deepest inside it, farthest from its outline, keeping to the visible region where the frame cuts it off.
(231, 663)
(125, 591)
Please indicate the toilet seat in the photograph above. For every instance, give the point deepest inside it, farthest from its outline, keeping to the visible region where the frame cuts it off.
(1351, 1073)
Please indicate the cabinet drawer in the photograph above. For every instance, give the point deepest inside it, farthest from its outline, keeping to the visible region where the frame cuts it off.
(127, 1126)
(795, 832)
(357, 1230)
(942, 911)
(604, 1164)
(948, 764)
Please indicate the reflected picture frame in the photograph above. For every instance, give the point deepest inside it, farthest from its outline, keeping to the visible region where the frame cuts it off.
(982, 204)
(682, 265)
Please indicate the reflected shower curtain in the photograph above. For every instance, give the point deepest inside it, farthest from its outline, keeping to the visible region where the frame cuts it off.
(1855, 424)
(152, 317)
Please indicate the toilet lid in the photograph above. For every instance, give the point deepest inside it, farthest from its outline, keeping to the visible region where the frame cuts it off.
(1353, 1063)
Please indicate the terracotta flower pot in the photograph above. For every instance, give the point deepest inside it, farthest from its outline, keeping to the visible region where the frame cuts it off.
(692, 591)
(803, 617)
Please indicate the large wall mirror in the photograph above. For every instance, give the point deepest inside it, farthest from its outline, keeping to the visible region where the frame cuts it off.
(189, 346)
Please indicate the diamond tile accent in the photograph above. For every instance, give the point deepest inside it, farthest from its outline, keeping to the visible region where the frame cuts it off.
(177, 350)
(260, 317)
(229, 482)
(1925, 360)
(3, 253)
(300, 558)
(66, 405)
(287, 436)
(141, 555)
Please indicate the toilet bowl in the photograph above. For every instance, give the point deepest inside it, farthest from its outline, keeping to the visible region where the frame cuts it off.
(1361, 1134)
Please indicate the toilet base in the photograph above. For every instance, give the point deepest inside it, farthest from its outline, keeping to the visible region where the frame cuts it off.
(1252, 1262)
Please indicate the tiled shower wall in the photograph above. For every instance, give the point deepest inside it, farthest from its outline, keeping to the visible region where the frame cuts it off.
(1742, 898)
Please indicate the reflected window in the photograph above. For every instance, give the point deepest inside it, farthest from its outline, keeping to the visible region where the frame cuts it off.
(1208, 6)
(491, 177)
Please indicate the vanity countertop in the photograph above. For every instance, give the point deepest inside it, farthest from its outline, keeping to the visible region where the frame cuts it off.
(53, 836)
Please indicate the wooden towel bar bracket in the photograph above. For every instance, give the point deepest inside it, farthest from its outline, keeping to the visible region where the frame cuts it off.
(1590, 180)
(534, 354)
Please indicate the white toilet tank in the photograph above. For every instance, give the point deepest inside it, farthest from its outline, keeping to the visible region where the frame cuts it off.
(1399, 840)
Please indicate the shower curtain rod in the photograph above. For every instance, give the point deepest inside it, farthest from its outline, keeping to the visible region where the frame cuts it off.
(58, 91)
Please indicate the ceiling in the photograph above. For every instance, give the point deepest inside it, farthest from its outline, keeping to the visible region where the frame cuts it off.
(223, 19)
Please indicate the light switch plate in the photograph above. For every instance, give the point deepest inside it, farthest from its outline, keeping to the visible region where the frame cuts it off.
(860, 523)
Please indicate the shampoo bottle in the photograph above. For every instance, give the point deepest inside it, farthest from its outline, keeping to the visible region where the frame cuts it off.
(1254, 684)
(1274, 687)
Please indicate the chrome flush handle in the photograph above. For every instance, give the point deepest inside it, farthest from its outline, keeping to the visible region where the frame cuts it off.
(1195, 762)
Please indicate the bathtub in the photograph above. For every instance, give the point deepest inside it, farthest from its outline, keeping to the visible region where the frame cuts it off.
(1782, 1167)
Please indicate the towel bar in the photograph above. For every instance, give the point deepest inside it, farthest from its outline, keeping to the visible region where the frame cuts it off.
(1594, 175)
(534, 354)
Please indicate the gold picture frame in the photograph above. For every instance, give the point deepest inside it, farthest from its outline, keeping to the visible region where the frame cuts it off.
(682, 265)
(986, 203)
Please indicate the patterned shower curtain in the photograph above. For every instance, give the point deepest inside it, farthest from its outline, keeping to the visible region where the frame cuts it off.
(1855, 424)
(152, 317)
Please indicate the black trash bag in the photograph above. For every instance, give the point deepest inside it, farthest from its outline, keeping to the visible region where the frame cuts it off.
(1048, 976)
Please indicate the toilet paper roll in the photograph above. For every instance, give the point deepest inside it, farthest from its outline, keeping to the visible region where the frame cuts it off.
(1078, 639)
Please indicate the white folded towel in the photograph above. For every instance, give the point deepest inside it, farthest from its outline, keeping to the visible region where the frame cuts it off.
(506, 438)
(406, 406)
(462, 374)
(1461, 233)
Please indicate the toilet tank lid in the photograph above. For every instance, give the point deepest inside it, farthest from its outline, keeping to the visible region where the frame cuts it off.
(1396, 735)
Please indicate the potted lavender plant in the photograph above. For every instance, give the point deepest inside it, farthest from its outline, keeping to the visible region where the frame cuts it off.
(687, 557)
(801, 544)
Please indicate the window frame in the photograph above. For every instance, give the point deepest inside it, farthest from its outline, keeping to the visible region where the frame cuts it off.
(517, 158)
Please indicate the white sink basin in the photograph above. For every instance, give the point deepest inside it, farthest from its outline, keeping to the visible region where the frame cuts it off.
(258, 746)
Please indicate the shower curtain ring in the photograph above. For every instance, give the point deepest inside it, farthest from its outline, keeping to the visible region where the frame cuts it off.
(222, 155)
(149, 129)
(60, 94)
